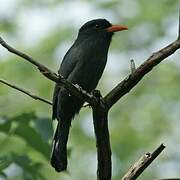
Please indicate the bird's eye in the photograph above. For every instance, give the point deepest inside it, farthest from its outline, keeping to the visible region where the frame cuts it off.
(97, 26)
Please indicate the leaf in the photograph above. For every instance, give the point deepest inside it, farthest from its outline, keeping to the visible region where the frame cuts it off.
(5, 161)
(24, 118)
(5, 126)
(44, 127)
(3, 175)
(30, 169)
(33, 139)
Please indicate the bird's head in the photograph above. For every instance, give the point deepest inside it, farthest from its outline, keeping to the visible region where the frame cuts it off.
(100, 27)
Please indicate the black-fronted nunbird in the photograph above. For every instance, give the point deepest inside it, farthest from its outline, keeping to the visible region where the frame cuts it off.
(83, 64)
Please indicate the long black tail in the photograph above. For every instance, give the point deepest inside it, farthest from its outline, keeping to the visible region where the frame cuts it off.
(64, 109)
(59, 151)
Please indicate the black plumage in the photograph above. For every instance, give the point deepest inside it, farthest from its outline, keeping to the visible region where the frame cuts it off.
(83, 64)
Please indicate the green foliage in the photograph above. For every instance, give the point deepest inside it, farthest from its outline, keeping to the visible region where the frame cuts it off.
(139, 122)
(26, 128)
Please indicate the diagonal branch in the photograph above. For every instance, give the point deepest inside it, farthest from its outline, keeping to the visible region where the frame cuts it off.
(130, 81)
(137, 169)
(25, 92)
(179, 26)
(73, 89)
(100, 108)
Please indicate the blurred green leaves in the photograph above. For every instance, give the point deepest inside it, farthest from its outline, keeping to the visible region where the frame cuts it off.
(146, 117)
(25, 126)
(35, 134)
(30, 171)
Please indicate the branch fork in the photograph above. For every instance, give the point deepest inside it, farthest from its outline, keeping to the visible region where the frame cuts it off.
(101, 105)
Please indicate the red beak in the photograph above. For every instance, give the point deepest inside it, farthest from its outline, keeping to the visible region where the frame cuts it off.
(115, 28)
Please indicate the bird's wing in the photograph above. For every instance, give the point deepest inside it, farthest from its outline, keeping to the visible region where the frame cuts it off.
(67, 66)
(69, 62)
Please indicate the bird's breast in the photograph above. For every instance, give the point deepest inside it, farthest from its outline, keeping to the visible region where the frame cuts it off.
(91, 58)
(89, 70)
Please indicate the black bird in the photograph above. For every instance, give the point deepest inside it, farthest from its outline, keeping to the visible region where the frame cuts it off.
(83, 64)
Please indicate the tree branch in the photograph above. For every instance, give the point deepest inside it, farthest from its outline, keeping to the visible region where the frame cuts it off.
(179, 26)
(137, 169)
(100, 108)
(130, 81)
(30, 94)
(25, 92)
(73, 89)
(100, 120)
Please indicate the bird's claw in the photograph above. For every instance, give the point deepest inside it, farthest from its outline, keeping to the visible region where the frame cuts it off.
(97, 94)
(42, 71)
(78, 87)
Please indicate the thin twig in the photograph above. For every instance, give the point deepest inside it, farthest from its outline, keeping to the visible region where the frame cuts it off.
(130, 81)
(82, 94)
(137, 169)
(104, 160)
(25, 92)
(30, 94)
(132, 66)
(179, 26)
(170, 179)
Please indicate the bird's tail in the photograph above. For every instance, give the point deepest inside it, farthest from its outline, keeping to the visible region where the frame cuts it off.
(59, 150)
(65, 107)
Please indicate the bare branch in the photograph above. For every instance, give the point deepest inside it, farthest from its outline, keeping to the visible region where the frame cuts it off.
(100, 107)
(139, 166)
(170, 179)
(82, 94)
(179, 26)
(25, 92)
(130, 81)
(132, 65)
(100, 119)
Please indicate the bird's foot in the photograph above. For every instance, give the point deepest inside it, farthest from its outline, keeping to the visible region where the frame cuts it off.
(79, 87)
(97, 94)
